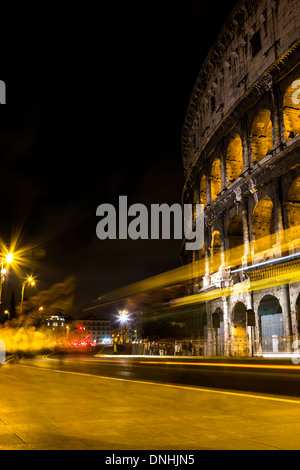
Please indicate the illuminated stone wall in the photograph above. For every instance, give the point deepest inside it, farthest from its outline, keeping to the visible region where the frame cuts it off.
(241, 154)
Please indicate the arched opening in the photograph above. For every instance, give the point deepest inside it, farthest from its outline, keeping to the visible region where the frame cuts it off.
(263, 225)
(239, 338)
(234, 158)
(215, 178)
(218, 326)
(271, 324)
(235, 239)
(216, 250)
(203, 335)
(261, 135)
(293, 204)
(291, 110)
(203, 190)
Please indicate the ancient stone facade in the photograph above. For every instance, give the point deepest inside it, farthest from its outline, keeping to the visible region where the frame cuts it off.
(241, 153)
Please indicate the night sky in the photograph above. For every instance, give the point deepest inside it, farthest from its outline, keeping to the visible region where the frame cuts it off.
(96, 101)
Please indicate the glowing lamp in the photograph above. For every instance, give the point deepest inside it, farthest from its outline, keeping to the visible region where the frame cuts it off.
(9, 257)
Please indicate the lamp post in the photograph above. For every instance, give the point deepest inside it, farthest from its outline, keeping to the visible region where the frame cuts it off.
(4, 263)
(124, 319)
(28, 280)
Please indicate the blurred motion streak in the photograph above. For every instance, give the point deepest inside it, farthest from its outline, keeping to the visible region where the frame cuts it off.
(280, 247)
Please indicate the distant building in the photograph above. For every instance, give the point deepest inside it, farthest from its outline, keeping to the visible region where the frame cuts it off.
(98, 330)
(53, 321)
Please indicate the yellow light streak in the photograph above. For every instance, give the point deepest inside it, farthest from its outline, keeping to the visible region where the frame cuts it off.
(287, 278)
(270, 247)
(225, 364)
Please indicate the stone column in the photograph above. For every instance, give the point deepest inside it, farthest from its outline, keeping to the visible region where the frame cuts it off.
(294, 325)
(210, 332)
(223, 169)
(278, 219)
(275, 116)
(208, 190)
(286, 314)
(244, 216)
(207, 242)
(225, 321)
(222, 248)
(251, 329)
(258, 346)
(246, 145)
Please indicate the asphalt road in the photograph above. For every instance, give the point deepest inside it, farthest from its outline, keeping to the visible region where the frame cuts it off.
(139, 403)
(276, 377)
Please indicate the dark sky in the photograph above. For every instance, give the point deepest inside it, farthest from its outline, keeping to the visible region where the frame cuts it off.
(96, 100)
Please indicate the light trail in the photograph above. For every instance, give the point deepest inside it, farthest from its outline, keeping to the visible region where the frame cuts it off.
(181, 387)
(271, 261)
(208, 364)
(226, 364)
(275, 247)
(286, 278)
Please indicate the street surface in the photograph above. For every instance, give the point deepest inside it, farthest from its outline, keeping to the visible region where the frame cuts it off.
(257, 375)
(85, 403)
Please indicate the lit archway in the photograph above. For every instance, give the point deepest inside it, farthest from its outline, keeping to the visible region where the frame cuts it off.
(291, 110)
(239, 338)
(271, 324)
(234, 158)
(263, 224)
(261, 135)
(293, 204)
(215, 178)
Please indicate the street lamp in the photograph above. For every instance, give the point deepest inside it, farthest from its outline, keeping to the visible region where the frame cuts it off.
(4, 263)
(28, 280)
(123, 316)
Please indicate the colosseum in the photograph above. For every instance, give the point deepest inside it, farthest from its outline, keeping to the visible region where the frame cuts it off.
(241, 154)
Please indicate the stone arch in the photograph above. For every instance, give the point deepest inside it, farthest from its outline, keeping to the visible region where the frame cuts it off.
(234, 158)
(271, 324)
(239, 316)
(291, 110)
(217, 316)
(261, 135)
(239, 335)
(216, 250)
(215, 178)
(263, 220)
(293, 203)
